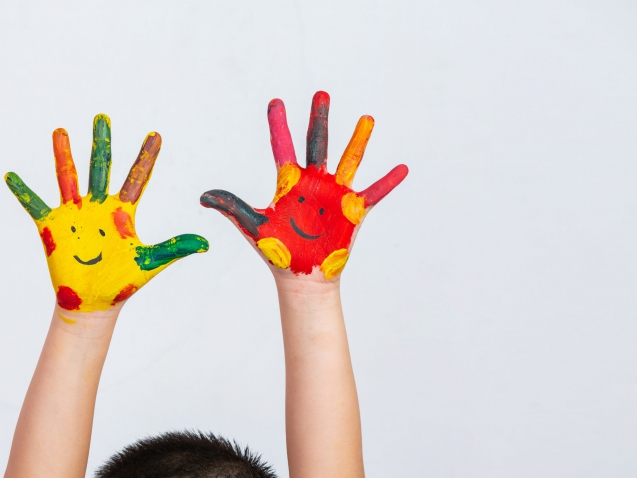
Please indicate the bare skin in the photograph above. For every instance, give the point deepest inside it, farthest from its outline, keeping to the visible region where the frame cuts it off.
(53, 433)
(321, 410)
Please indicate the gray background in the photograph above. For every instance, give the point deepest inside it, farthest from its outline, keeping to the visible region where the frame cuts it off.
(490, 299)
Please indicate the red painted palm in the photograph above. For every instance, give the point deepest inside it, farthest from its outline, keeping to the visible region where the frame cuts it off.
(314, 214)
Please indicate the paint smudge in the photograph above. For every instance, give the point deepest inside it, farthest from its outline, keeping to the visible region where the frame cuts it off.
(47, 240)
(125, 293)
(123, 223)
(68, 298)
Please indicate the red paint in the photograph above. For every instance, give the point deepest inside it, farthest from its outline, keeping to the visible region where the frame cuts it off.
(68, 298)
(320, 191)
(47, 240)
(280, 136)
(125, 293)
(123, 223)
(381, 188)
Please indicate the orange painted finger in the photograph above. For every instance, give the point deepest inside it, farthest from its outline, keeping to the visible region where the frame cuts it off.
(142, 169)
(353, 154)
(65, 168)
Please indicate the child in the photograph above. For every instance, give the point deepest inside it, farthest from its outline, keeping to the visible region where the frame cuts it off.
(305, 235)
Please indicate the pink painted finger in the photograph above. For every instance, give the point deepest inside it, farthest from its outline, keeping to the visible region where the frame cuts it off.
(65, 168)
(381, 188)
(280, 136)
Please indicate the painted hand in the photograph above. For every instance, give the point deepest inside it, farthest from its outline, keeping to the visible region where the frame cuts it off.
(314, 215)
(94, 255)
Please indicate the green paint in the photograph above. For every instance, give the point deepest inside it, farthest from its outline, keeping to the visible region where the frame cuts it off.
(152, 257)
(100, 168)
(29, 200)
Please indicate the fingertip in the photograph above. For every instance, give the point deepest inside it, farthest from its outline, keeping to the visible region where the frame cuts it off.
(101, 123)
(276, 104)
(152, 141)
(205, 245)
(321, 97)
(401, 171)
(367, 119)
(60, 132)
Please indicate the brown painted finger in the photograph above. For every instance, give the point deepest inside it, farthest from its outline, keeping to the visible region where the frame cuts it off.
(142, 169)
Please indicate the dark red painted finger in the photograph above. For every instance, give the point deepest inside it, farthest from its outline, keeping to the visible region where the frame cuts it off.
(280, 137)
(316, 153)
(139, 174)
(229, 204)
(65, 168)
(381, 188)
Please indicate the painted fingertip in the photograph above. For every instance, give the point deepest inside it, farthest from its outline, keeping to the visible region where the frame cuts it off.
(204, 244)
(321, 97)
(211, 199)
(101, 122)
(152, 141)
(60, 132)
(401, 171)
(275, 104)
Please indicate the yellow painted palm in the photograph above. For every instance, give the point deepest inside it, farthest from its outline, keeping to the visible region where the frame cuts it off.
(94, 255)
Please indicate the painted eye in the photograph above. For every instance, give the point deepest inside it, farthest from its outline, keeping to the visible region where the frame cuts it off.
(302, 198)
(73, 229)
(321, 211)
(102, 233)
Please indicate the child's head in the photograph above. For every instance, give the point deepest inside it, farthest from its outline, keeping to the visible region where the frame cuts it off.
(185, 455)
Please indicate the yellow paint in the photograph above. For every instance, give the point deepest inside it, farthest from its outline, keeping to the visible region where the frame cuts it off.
(334, 263)
(353, 154)
(98, 284)
(353, 207)
(276, 251)
(67, 320)
(287, 177)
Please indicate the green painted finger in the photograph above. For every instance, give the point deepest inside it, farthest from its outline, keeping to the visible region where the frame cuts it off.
(152, 257)
(30, 201)
(100, 168)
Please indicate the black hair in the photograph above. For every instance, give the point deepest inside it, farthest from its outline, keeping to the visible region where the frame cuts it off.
(186, 454)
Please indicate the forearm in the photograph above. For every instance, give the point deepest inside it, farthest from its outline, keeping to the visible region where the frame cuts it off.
(53, 433)
(322, 413)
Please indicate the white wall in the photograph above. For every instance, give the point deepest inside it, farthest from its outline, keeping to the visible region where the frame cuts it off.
(490, 300)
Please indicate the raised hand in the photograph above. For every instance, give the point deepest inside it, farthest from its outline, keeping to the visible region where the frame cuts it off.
(313, 217)
(94, 255)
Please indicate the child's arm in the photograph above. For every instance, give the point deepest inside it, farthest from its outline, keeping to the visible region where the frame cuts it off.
(322, 416)
(53, 433)
(96, 262)
(306, 235)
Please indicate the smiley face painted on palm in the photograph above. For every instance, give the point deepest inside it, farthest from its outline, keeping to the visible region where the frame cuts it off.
(314, 214)
(94, 255)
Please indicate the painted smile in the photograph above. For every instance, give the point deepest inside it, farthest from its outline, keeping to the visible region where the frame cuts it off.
(301, 233)
(89, 262)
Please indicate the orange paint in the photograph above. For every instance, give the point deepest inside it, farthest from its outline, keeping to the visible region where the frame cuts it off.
(123, 223)
(125, 293)
(65, 168)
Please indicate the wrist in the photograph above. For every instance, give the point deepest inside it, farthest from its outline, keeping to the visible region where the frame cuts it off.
(94, 325)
